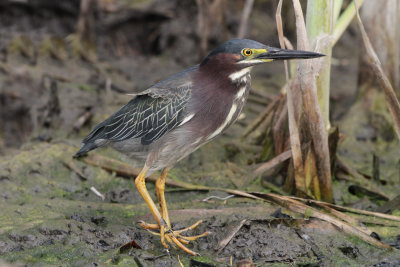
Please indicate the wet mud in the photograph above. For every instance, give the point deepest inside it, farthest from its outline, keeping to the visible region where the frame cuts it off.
(49, 216)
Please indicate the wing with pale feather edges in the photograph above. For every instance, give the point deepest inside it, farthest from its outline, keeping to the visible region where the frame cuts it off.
(147, 116)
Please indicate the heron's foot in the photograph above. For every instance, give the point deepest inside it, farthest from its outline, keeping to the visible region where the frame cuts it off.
(176, 237)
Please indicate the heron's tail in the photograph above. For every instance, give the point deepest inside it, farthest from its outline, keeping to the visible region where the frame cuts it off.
(85, 149)
(95, 139)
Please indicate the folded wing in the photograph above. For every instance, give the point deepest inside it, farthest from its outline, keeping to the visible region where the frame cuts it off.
(147, 116)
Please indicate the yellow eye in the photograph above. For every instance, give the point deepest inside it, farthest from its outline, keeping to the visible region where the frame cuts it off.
(247, 52)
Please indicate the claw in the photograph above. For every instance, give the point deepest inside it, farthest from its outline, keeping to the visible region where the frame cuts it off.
(174, 238)
(152, 226)
(183, 241)
(167, 235)
(190, 227)
(193, 238)
(181, 246)
(170, 241)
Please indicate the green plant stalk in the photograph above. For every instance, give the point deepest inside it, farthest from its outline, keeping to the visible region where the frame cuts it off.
(344, 21)
(336, 9)
(319, 23)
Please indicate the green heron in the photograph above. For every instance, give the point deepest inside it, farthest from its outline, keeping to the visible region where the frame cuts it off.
(174, 117)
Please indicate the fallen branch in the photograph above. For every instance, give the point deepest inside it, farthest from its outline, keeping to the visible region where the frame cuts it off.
(358, 179)
(273, 162)
(254, 125)
(274, 188)
(299, 207)
(291, 203)
(82, 120)
(352, 210)
(262, 94)
(344, 217)
(222, 244)
(370, 188)
(126, 170)
(71, 165)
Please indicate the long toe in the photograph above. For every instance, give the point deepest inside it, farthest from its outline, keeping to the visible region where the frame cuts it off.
(181, 246)
(174, 238)
(149, 226)
(189, 228)
(182, 240)
(194, 237)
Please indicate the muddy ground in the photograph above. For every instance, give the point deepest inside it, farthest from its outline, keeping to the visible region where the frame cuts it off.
(49, 216)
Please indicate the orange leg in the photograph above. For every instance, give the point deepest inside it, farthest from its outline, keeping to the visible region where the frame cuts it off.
(163, 221)
(160, 188)
(141, 187)
(140, 182)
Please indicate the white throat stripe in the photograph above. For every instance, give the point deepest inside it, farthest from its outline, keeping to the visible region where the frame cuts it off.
(239, 74)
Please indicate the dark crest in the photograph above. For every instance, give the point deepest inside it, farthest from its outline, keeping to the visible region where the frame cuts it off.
(233, 46)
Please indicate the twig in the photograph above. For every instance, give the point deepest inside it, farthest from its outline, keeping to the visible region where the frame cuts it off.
(390, 96)
(314, 248)
(273, 162)
(113, 165)
(358, 179)
(374, 220)
(82, 120)
(353, 210)
(217, 197)
(262, 94)
(248, 6)
(364, 184)
(258, 100)
(71, 165)
(272, 187)
(97, 193)
(342, 216)
(390, 206)
(278, 130)
(346, 168)
(254, 125)
(224, 242)
(299, 207)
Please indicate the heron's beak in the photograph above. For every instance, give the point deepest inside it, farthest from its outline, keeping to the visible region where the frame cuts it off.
(281, 54)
